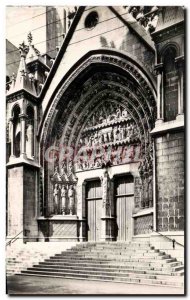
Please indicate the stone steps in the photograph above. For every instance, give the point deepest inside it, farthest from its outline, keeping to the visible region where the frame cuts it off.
(114, 255)
(121, 262)
(21, 256)
(137, 268)
(115, 269)
(100, 277)
(109, 259)
(130, 265)
(118, 273)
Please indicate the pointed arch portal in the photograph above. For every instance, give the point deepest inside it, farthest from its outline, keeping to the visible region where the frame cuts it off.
(101, 118)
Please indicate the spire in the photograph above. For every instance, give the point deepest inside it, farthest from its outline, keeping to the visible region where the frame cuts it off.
(24, 79)
(33, 53)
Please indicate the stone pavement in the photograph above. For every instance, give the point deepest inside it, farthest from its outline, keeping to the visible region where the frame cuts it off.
(29, 285)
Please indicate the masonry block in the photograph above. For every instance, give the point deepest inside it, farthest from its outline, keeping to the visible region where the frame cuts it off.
(170, 181)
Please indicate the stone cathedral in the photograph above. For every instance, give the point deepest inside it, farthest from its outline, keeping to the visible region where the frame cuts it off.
(95, 133)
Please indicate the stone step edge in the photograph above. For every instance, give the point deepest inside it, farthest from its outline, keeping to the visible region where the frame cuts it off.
(102, 272)
(172, 272)
(93, 279)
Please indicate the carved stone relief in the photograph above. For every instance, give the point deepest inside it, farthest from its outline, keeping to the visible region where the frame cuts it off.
(146, 175)
(64, 189)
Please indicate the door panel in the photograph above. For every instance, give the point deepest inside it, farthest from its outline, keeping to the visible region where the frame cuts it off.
(94, 207)
(124, 206)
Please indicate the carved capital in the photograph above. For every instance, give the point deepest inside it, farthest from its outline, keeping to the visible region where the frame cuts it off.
(23, 116)
(158, 68)
(179, 61)
(10, 120)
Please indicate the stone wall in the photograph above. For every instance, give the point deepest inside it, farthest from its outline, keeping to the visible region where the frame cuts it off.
(30, 203)
(170, 86)
(170, 181)
(15, 201)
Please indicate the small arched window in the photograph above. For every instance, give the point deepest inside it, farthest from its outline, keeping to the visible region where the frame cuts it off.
(30, 132)
(170, 85)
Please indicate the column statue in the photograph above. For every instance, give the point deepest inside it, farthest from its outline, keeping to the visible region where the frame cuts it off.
(56, 199)
(71, 200)
(63, 199)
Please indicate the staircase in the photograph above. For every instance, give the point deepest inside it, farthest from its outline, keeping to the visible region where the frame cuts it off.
(129, 262)
(21, 256)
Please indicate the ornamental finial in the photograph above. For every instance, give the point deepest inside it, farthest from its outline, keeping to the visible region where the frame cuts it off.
(30, 38)
(23, 49)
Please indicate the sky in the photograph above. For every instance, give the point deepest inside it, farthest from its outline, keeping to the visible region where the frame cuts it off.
(20, 20)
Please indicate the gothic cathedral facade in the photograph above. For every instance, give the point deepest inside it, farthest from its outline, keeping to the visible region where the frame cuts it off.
(95, 135)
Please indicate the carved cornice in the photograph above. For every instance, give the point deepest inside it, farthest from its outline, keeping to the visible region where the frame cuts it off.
(37, 65)
(22, 94)
(168, 32)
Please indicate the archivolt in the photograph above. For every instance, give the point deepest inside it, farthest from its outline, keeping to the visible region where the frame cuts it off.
(98, 78)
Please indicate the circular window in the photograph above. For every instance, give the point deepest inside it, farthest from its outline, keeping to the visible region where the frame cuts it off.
(91, 20)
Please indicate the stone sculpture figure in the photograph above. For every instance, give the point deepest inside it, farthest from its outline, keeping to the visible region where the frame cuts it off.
(128, 133)
(105, 138)
(64, 170)
(115, 134)
(71, 173)
(56, 173)
(110, 136)
(96, 138)
(118, 113)
(71, 200)
(56, 198)
(63, 199)
(90, 141)
(100, 138)
(105, 187)
(124, 113)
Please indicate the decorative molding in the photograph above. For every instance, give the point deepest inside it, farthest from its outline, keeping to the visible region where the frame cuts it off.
(22, 94)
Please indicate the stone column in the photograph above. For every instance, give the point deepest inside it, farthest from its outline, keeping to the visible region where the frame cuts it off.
(30, 142)
(23, 134)
(180, 66)
(160, 98)
(81, 210)
(12, 136)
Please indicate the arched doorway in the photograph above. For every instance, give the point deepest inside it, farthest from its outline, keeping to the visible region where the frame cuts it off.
(100, 122)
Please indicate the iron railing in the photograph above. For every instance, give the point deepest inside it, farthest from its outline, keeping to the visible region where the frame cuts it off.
(174, 242)
(12, 240)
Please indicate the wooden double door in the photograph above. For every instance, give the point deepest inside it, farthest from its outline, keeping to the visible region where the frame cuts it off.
(123, 206)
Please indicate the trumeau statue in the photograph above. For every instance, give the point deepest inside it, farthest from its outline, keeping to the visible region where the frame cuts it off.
(105, 188)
